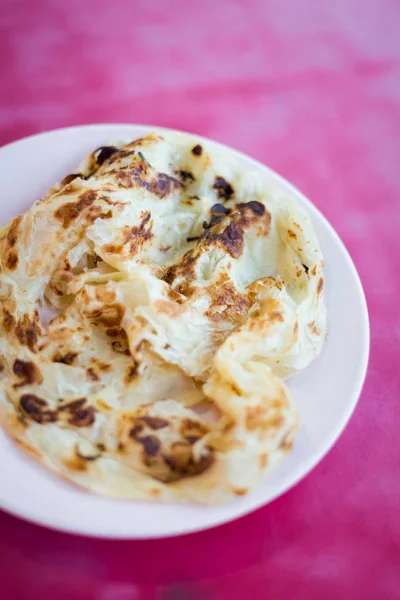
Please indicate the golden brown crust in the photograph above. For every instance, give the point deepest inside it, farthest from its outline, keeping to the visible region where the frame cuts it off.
(69, 212)
(133, 238)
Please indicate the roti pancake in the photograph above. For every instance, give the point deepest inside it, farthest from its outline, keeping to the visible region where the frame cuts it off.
(151, 305)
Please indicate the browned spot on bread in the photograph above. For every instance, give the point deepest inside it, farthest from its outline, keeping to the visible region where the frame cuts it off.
(227, 302)
(292, 234)
(313, 328)
(27, 331)
(1, 364)
(83, 417)
(125, 179)
(13, 232)
(192, 439)
(71, 188)
(230, 238)
(12, 261)
(197, 150)
(131, 373)
(92, 375)
(314, 270)
(108, 315)
(67, 213)
(27, 371)
(75, 464)
(105, 295)
(103, 405)
(68, 178)
(8, 320)
(320, 285)
(121, 345)
(136, 429)
(146, 140)
(186, 176)
(263, 460)
(175, 296)
(96, 212)
(287, 443)
(226, 228)
(137, 236)
(113, 332)
(155, 491)
(36, 409)
(182, 464)
(151, 444)
(73, 405)
(169, 455)
(66, 359)
(255, 214)
(169, 308)
(256, 207)
(143, 175)
(101, 447)
(133, 238)
(257, 418)
(192, 429)
(218, 212)
(100, 365)
(164, 185)
(296, 332)
(78, 414)
(239, 491)
(110, 154)
(274, 315)
(224, 189)
(155, 422)
(104, 153)
(228, 426)
(122, 153)
(268, 316)
(235, 389)
(185, 269)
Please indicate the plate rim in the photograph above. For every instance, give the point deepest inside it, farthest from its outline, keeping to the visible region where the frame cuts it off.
(306, 466)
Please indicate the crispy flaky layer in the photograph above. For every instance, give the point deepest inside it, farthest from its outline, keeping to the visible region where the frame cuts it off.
(151, 304)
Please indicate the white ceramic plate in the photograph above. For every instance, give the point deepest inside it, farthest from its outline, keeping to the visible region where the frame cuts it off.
(325, 393)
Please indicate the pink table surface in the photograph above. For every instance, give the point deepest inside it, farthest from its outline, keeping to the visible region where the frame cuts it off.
(312, 89)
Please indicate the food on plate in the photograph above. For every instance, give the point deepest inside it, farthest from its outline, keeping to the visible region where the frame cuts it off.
(152, 303)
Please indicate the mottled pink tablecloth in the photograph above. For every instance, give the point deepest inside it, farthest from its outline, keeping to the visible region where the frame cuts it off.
(311, 88)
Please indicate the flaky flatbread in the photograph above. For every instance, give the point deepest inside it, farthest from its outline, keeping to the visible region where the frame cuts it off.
(151, 305)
